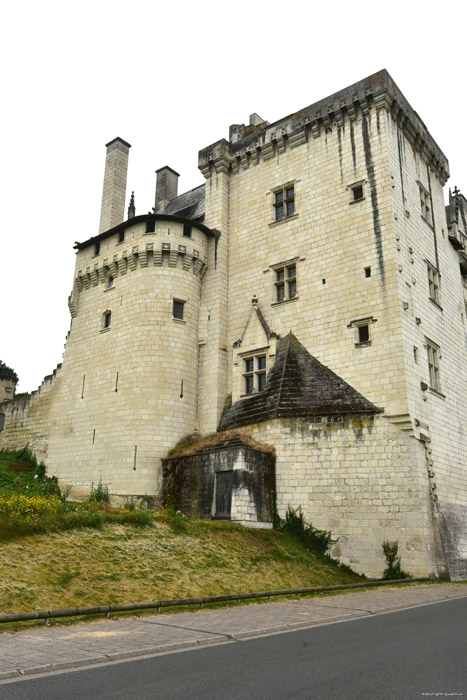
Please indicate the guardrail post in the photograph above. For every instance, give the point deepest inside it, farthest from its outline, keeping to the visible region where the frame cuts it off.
(47, 623)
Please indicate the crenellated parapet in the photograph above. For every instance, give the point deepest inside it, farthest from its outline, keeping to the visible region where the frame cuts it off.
(376, 93)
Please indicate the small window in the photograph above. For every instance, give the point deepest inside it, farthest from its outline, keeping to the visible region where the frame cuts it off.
(415, 354)
(110, 282)
(97, 248)
(150, 226)
(2, 421)
(425, 205)
(187, 230)
(255, 374)
(121, 236)
(363, 333)
(107, 319)
(178, 307)
(284, 203)
(285, 282)
(367, 271)
(362, 330)
(433, 364)
(433, 283)
(356, 192)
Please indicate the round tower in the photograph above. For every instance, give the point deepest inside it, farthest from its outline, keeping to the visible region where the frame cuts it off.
(128, 386)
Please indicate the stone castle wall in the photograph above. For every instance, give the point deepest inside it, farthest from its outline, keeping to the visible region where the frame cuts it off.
(362, 478)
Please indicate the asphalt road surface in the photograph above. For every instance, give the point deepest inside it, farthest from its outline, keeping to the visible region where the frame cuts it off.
(416, 653)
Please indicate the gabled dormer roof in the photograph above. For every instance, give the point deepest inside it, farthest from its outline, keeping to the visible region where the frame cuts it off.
(297, 385)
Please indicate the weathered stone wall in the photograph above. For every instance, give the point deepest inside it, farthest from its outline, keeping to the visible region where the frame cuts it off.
(438, 415)
(191, 483)
(331, 239)
(28, 420)
(360, 477)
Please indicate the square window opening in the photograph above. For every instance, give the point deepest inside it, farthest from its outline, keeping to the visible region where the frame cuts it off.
(150, 226)
(367, 271)
(121, 236)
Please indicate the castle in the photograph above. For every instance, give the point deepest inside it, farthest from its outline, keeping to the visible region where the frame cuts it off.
(308, 304)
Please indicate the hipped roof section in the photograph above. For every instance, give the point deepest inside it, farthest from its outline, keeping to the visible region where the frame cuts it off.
(297, 385)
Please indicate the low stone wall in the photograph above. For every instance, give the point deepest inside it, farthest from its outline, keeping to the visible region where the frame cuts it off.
(190, 483)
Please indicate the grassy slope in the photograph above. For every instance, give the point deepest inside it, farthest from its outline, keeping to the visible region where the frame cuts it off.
(121, 563)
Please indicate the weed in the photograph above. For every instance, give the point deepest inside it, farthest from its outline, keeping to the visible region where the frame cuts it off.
(393, 570)
(99, 494)
(295, 524)
(175, 519)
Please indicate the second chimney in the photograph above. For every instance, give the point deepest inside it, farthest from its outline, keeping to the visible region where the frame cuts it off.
(166, 186)
(114, 190)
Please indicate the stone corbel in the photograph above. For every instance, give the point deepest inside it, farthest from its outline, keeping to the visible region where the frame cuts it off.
(122, 266)
(267, 150)
(143, 258)
(297, 137)
(157, 257)
(315, 129)
(198, 267)
(173, 257)
(187, 262)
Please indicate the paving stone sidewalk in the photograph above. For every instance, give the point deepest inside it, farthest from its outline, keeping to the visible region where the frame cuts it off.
(57, 647)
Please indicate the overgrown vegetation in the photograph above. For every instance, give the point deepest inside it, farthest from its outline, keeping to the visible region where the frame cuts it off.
(20, 472)
(295, 524)
(393, 570)
(120, 563)
(31, 502)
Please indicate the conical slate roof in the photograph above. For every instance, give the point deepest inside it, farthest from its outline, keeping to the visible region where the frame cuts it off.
(297, 385)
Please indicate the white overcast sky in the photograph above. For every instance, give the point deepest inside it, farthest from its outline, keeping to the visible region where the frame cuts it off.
(170, 78)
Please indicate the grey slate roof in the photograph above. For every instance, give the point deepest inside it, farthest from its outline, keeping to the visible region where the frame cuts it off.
(297, 385)
(189, 205)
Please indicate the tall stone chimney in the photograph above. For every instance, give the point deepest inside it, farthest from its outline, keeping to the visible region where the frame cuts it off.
(166, 186)
(114, 190)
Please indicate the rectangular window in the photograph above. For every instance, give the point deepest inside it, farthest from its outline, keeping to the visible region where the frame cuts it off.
(150, 226)
(284, 202)
(433, 365)
(433, 283)
(255, 374)
(178, 307)
(425, 205)
(285, 282)
(97, 248)
(121, 236)
(356, 192)
(187, 230)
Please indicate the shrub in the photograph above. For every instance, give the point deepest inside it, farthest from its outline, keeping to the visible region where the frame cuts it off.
(295, 524)
(393, 570)
(99, 494)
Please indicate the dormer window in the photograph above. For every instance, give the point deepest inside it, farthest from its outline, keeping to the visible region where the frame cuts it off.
(255, 373)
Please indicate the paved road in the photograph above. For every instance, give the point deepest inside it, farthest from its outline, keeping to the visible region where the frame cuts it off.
(414, 653)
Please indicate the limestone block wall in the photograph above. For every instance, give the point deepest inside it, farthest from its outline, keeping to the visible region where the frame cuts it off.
(331, 239)
(437, 414)
(362, 478)
(28, 420)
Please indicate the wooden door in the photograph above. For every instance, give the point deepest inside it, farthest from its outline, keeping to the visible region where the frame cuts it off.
(223, 494)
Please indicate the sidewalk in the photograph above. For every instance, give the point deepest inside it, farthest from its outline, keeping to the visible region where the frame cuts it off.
(103, 641)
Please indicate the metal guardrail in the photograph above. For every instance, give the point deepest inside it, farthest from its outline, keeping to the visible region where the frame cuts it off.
(125, 607)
